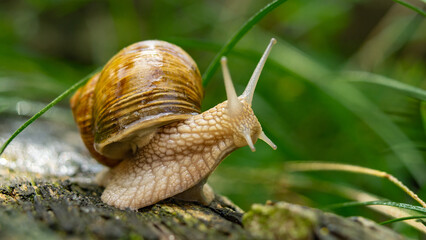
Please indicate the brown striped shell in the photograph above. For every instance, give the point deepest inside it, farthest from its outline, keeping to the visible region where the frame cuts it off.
(145, 86)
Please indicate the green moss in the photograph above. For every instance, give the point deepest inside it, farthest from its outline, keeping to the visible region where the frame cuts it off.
(279, 221)
(134, 236)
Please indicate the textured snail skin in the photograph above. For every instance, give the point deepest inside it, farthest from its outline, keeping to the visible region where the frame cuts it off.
(178, 156)
(140, 116)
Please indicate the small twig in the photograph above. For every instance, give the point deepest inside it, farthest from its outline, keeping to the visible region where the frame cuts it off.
(320, 166)
(356, 195)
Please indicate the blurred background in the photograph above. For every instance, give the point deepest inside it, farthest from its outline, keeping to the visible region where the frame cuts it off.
(314, 99)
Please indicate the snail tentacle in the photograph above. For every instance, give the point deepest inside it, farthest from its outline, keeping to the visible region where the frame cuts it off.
(251, 86)
(265, 138)
(234, 105)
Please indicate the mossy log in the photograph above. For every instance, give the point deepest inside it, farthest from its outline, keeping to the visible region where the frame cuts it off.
(55, 208)
(42, 206)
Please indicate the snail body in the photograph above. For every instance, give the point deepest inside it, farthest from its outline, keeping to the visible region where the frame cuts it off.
(152, 134)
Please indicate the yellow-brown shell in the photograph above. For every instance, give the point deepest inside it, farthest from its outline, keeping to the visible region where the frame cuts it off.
(144, 86)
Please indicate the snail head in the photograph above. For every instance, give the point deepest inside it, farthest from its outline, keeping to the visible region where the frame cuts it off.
(247, 127)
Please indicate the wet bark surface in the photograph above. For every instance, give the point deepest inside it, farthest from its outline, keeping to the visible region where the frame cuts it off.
(63, 208)
(47, 192)
(55, 208)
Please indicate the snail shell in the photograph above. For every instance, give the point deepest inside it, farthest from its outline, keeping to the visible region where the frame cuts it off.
(145, 86)
(141, 117)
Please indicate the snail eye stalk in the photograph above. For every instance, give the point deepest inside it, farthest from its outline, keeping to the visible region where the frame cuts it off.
(234, 105)
(251, 86)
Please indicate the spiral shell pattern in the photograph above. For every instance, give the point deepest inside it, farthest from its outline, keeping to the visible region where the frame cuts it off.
(145, 86)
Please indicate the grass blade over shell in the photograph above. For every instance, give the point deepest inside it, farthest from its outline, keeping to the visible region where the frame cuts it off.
(206, 77)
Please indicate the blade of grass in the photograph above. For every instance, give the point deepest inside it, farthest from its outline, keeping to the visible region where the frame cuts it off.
(402, 219)
(359, 76)
(414, 8)
(336, 188)
(305, 67)
(389, 35)
(280, 180)
(47, 107)
(381, 203)
(208, 74)
(322, 166)
(423, 114)
(237, 37)
(327, 80)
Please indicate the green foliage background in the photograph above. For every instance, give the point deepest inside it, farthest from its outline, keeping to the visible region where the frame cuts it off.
(314, 98)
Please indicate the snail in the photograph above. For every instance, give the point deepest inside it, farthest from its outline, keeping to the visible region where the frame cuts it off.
(140, 116)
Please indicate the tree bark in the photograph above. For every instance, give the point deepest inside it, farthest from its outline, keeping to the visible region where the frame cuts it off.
(53, 208)
(51, 205)
(56, 208)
